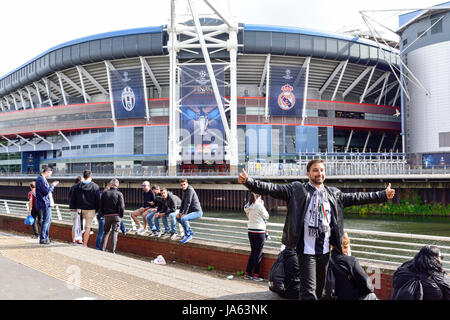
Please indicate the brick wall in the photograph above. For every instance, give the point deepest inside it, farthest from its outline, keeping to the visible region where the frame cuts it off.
(222, 257)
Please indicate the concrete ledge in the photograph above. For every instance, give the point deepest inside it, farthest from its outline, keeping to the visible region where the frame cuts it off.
(223, 257)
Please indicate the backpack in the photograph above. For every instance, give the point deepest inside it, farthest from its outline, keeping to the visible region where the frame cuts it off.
(410, 290)
(284, 275)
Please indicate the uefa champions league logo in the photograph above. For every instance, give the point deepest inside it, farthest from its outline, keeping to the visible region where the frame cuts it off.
(202, 78)
(128, 97)
(287, 76)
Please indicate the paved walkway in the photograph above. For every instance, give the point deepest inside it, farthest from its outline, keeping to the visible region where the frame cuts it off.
(64, 271)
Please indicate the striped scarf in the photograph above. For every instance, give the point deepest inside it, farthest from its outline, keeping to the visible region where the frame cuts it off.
(318, 222)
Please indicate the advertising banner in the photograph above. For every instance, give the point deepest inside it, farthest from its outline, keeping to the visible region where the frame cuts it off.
(203, 132)
(287, 88)
(128, 93)
(436, 160)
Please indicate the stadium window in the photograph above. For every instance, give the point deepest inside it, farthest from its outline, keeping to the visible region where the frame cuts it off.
(94, 146)
(102, 130)
(421, 34)
(102, 145)
(86, 146)
(110, 145)
(109, 129)
(437, 28)
(94, 130)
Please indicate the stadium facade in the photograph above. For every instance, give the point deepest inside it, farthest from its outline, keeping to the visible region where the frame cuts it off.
(103, 102)
(425, 49)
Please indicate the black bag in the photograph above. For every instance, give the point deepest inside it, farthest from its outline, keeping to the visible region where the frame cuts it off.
(284, 275)
(330, 284)
(410, 290)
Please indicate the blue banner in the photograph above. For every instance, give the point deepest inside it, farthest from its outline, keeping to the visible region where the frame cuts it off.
(31, 161)
(436, 160)
(287, 88)
(203, 139)
(128, 93)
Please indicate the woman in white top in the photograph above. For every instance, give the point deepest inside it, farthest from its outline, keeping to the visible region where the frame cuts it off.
(257, 215)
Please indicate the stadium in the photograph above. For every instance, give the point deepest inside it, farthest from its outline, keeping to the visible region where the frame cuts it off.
(142, 101)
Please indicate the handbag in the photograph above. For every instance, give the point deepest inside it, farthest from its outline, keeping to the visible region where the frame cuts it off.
(29, 220)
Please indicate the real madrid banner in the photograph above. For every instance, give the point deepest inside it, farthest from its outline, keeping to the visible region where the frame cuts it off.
(128, 92)
(287, 86)
(200, 113)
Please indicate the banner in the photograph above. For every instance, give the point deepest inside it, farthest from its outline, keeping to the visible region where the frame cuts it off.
(200, 120)
(128, 93)
(287, 88)
(437, 160)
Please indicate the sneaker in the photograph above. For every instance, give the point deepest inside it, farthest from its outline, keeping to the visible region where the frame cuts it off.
(158, 234)
(256, 277)
(247, 276)
(140, 231)
(165, 234)
(191, 233)
(173, 236)
(153, 233)
(186, 239)
(35, 237)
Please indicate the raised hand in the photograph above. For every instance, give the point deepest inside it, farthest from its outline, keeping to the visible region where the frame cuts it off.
(243, 177)
(390, 193)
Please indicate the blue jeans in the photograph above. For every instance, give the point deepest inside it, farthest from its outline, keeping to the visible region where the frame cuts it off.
(184, 221)
(101, 225)
(150, 222)
(46, 214)
(173, 221)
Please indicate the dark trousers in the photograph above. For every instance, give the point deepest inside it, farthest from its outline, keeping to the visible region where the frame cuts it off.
(112, 224)
(256, 244)
(313, 274)
(36, 214)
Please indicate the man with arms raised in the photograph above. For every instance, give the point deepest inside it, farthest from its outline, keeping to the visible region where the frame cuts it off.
(314, 220)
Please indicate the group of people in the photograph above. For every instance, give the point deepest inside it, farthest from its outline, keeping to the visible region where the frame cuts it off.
(314, 229)
(87, 201)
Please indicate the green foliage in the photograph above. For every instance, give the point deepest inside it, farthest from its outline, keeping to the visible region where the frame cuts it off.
(240, 273)
(210, 268)
(406, 207)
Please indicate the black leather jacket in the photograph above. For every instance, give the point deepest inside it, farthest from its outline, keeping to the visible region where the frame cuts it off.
(298, 195)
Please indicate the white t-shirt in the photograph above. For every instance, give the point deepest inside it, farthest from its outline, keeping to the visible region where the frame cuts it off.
(314, 245)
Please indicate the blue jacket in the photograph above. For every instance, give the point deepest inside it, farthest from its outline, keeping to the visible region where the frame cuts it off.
(43, 189)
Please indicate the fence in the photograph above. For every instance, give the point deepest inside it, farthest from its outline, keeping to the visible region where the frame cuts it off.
(371, 246)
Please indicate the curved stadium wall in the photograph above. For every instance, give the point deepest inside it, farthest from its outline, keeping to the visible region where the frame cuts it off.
(55, 109)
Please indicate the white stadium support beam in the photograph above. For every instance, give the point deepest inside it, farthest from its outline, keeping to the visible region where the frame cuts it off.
(151, 74)
(85, 95)
(361, 99)
(332, 76)
(392, 102)
(357, 80)
(374, 85)
(339, 81)
(36, 86)
(29, 97)
(75, 86)
(348, 142)
(7, 103)
(21, 99)
(266, 100)
(381, 142)
(15, 102)
(263, 76)
(367, 141)
(12, 142)
(26, 141)
(63, 93)
(395, 143)
(5, 147)
(92, 80)
(144, 83)
(111, 95)
(306, 64)
(65, 138)
(383, 89)
(43, 139)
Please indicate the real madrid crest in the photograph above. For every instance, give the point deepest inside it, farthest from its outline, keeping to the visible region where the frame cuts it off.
(286, 99)
(128, 97)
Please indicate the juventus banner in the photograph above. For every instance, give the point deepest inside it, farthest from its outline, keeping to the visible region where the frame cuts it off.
(128, 93)
(200, 113)
(287, 86)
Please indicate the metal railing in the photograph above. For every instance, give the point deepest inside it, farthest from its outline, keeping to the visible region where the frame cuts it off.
(371, 246)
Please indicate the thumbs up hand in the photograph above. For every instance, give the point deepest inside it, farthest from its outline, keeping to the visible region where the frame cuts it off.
(390, 192)
(243, 177)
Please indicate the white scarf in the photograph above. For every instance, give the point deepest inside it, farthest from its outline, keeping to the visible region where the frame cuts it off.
(318, 222)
